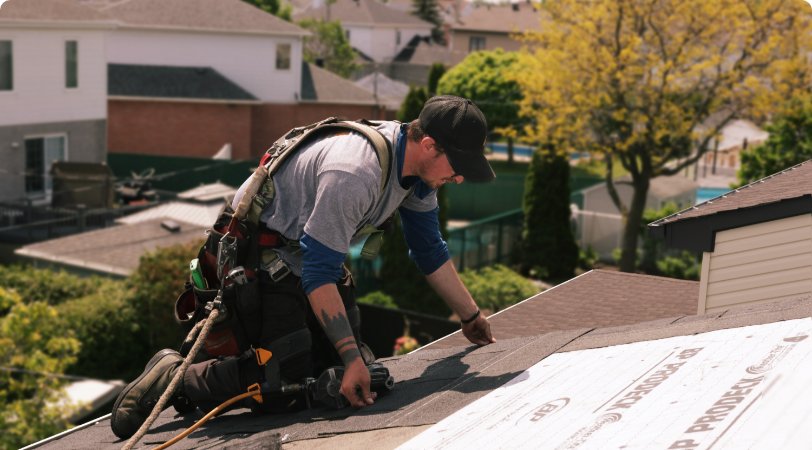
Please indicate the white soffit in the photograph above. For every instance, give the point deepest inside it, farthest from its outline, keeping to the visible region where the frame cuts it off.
(739, 388)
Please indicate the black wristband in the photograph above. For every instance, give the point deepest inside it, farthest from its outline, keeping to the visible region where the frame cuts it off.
(470, 319)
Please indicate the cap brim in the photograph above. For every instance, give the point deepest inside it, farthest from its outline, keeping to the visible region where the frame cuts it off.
(471, 165)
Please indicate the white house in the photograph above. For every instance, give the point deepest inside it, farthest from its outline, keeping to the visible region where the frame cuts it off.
(258, 51)
(378, 31)
(53, 92)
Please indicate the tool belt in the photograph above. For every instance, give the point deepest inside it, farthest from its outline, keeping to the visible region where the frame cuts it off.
(239, 326)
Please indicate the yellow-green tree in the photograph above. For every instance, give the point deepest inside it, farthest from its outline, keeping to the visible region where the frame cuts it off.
(649, 83)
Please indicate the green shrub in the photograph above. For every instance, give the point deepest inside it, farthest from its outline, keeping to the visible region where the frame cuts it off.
(685, 266)
(378, 298)
(152, 290)
(497, 287)
(46, 285)
(108, 325)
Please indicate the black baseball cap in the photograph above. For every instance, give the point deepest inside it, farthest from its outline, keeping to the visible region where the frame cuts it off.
(459, 127)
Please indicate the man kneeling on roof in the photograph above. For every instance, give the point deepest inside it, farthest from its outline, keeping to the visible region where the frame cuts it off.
(298, 304)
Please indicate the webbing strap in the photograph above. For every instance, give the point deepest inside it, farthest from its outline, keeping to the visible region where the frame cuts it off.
(381, 145)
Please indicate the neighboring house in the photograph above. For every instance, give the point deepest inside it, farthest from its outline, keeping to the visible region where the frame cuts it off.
(117, 250)
(724, 158)
(599, 224)
(756, 241)
(582, 384)
(485, 26)
(376, 30)
(388, 92)
(53, 92)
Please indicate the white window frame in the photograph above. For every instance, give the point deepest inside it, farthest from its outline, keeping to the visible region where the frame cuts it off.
(47, 183)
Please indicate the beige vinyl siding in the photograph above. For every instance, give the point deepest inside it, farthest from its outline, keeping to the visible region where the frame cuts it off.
(758, 263)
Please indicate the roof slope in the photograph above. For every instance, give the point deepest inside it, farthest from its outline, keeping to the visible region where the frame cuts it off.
(114, 250)
(234, 16)
(363, 12)
(431, 385)
(49, 10)
(790, 183)
(130, 80)
(322, 86)
(596, 299)
(504, 18)
(784, 194)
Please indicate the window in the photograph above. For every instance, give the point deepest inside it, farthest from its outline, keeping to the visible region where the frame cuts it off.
(71, 64)
(40, 153)
(476, 43)
(283, 56)
(6, 72)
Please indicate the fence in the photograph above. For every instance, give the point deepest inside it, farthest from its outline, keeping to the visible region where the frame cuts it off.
(485, 242)
(601, 232)
(25, 223)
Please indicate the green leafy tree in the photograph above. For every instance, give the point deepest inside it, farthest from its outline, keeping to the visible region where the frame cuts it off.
(789, 143)
(436, 72)
(34, 351)
(275, 7)
(483, 77)
(651, 83)
(497, 287)
(549, 250)
(429, 11)
(153, 289)
(412, 104)
(328, 47)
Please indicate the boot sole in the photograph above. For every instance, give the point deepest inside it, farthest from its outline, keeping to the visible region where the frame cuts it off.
(150, 364)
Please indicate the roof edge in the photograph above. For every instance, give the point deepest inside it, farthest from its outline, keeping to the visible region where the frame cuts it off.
(136, 98)
(699, 233)
(129, 26)
(61, 24)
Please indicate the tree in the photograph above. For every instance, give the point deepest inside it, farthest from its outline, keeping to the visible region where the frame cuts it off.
(790, 143)
(549, 250)
(34, 351)
(275, 7)
(436, 72)
(428, 11)
(328, 47)
(483, 77)
(651, 83)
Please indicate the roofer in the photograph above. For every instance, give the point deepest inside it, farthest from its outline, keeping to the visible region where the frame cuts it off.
(327, 193)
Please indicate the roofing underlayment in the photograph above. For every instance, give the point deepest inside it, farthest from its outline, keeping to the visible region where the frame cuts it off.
(717, 380)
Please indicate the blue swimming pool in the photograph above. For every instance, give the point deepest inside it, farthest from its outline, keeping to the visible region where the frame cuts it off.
(704, 194)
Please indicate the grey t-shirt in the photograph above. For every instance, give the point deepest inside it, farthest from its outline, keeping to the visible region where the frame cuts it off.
(330, 189)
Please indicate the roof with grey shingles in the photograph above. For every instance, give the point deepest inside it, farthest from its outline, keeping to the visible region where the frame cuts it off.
(503, 18)
(201, 215)
(115, 250)
(322, 86)
(363, 12)
(235, 16)
(431, 384)
(130, 80)
(50, 10)
(790, 183)
(596, 299)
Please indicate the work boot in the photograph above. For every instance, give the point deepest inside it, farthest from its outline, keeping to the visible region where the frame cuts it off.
(134, 404)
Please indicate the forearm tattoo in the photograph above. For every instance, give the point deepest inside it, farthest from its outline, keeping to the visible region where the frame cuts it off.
(340, 334)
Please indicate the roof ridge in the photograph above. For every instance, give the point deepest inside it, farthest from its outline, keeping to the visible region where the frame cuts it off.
(644, 275)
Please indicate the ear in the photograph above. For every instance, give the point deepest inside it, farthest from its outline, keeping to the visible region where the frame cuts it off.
(427, 143)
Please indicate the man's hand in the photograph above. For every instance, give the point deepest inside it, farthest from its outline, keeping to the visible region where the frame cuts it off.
(478, 331)
(355, 384)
